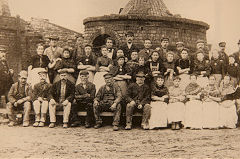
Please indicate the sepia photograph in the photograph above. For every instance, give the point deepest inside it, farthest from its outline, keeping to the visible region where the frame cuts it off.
(119, 79)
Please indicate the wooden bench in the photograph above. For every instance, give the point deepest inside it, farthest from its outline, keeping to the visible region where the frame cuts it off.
(81, 113)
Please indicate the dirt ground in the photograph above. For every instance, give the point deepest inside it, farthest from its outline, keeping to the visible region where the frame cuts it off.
(19, 142)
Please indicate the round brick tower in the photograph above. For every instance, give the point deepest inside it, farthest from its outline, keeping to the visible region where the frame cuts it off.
(147, 19)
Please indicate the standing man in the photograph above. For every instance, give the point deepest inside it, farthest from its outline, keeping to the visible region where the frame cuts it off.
(108, 98)
(19, 99)
(84, 94)
(54, 53)
(138, 96)
(222, 54)
(78, 51)
(200, 46)
(41, 98)
(163, 49)
(62, 95)
(147, 51)
(237, 54)
(111, 50)
(5, 74)
(179, 47)
(128, 47)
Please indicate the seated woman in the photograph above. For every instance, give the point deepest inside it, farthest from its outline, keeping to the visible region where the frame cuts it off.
(193, 109)
(67, 64)
(201, 67)
(183, 68)
(120, 74)
(87, 62)
(102, 67)
(227, 113)
(210, 97)
(176, 106)
(38, 62)
(158, 105)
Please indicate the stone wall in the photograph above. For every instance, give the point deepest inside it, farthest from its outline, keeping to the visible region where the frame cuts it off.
(154, 28)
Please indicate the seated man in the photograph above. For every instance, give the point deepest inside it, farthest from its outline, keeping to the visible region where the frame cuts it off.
(84, 95)
(108, 98)
(19, 99)
(40, 99)
(138, 95)
(62, 95)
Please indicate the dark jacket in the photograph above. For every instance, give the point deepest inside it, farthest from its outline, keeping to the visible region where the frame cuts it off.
(41, 90)
(81, 93)
(56, 91)
(14, 95)
(127, 52)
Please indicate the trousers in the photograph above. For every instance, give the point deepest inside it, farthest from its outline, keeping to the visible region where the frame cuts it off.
(40, 109)
(58, 106)
(26, 107)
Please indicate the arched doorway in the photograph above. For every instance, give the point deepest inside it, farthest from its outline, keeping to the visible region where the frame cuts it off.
(99, 41)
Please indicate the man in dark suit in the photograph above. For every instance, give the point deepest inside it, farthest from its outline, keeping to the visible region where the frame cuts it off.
(128, 47)
(62, 95)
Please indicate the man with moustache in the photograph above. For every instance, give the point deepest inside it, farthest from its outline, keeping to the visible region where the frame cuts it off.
(62, 95)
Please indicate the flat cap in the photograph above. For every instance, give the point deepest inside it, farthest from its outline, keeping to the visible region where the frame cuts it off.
(84, 73)
(129, 33)
(200, 41)
(108, 75)
(180, 43)
(164, 39)
(140, 74)
(222, 44)
(53, 37)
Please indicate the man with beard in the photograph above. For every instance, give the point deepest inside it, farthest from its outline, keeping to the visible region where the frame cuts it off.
(5, 74)
(41, 98)
(62, 95)
(19, 99)
(128, 47)
(138, 96)
(108, 98)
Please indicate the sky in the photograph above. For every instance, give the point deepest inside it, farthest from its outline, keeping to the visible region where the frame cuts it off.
(221, 15)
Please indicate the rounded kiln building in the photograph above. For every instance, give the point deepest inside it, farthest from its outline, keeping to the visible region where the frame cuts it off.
(146, 19)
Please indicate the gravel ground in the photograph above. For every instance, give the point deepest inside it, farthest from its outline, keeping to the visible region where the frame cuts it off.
(19, 142)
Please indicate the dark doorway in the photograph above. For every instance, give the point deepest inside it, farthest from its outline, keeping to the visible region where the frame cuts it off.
(98, 42)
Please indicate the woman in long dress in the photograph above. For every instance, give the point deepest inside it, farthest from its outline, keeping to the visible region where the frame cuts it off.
(159, 105)
(176, 107)
(211, 97)
(102, 67)
(38, 63)
(194, 107)
(227, 113)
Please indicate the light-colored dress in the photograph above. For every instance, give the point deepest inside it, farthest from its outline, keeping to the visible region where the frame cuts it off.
(210, 107)
(176, 107)
(194, 108)
(158, 117)
(227, 112)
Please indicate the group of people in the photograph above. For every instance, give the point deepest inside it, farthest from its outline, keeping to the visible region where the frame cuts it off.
(177, 88)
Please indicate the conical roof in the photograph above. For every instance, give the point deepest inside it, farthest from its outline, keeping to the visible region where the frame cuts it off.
(4, 8)
(146, 7)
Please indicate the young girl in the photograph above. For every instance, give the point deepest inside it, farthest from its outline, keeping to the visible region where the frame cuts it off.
(87, 62)
(183, 68)
(210, 97)
(38, 62)
(201, 68)
(217, 67)
(102, 67)
(159, 94)
(193, 109)
(66, 64)
(176, 106)
(227, 113)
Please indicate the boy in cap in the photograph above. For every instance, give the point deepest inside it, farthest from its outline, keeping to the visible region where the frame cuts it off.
(108, 98)
(5, 73)
(138, 96)
(222, 54)
(40, 99)
(19, 99)
(62, 95)
(84, 94)
(128, 47)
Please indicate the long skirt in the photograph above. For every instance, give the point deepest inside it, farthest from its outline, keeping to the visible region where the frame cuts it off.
(99, 80)
(185, 80)
(228, 114)
(210, 115)
(175, 112)
(123, 87)
(158, 117)
(33, 76)
(202, 81)
(90, 79)
(69, 77)
(218, 78)
(194, 114)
